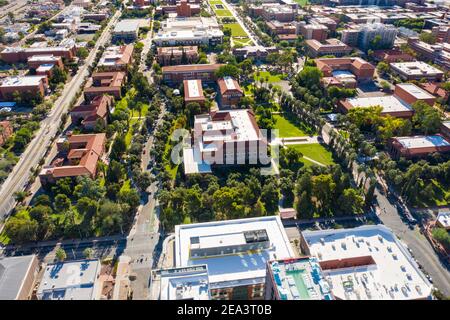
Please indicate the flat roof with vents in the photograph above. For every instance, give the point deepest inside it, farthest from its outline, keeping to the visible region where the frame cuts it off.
(423, 141)
(71, 280)
(367, 263)
(241, 267)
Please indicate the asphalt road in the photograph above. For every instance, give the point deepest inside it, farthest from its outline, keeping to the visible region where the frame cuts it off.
(421, 248)
(36, 149)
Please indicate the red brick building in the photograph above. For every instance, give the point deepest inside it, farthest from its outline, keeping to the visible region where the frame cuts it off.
(418, 146)
(361, 69)
(6, 130)
(333, 47)
(230, 93)
(411, 93)
(105, 83)
(317, 32)
(186, 9)
(26, 85)
(193, 92)
(78, 156)
(177, 74)
(35, 62)
(174, 55)
(390, 56)
(14, 55)
(87, 115)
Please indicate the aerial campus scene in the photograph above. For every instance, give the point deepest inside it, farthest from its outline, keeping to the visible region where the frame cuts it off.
(224, 150)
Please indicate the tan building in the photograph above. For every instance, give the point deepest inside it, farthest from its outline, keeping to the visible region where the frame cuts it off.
(329, 47)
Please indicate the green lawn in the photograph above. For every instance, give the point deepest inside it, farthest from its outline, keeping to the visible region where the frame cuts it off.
(236, 29)
(215, 2)
(266, 74)
(287, 128)
(223, 13)
(302, 3)
(314, 151)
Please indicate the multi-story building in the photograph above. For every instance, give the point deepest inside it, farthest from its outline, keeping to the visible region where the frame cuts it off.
(126, 30)
(416, 70)
(350, 36)
(189, 31)
(279, 12)
(411, 93)
(225, 137)
(296, 279)
(78, 156)
(23, 86)
(19, 54)
(329, 47)
(105, 83)
(228, 249)
(418, 146)
(326, 21)
(366, 263)
(193, 92)
(71, 280)
(116, 58)
(369, 32)
(317, 32)
(186, 9)
(442, 33)
(177, 55)
(393, 55)
(88, 115)
(282, 30)
(230, 93)
(203, 72)
(345, 72)
(17, 277)
(438, 53)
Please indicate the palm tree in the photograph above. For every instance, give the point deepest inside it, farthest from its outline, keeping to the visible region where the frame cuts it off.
(60, 254)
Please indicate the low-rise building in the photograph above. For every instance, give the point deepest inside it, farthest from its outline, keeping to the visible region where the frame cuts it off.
(24, 86)
(184, 283)
(225, 137)
(274, 11)
(443, 220)
(105, 83)
(71, 280)
(256, 52)
(126, 30)
(35, 62)
(435, 88)
(167, 56)
(445, 129)
(342, 70)
(393, 55)
(17, 277)
(88, 115)
(116, 58)
(283, 30)
(416, 70)
(228, 249)
(390, 104)
(20, 54)
(193, 92)
(78, 156)
(411, 93)
(203, 72)
(366, 263)
(296, 279)
(326, 21)
(333, 47)
(189, 31)
(418, 146)
(230, 93)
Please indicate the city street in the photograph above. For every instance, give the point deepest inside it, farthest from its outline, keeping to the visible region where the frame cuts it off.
(19, 177)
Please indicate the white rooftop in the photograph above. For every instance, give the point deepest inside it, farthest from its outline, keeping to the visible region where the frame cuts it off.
(389, 103)
(193, 88)
(183, 283)
(415, 91)
(446, 124)
(444, 219)
(127, 25)
(233, 269)
(415, 68)
(73, 280)
(423, 141)
(229, 83)
(394, 275)
(22, 81)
